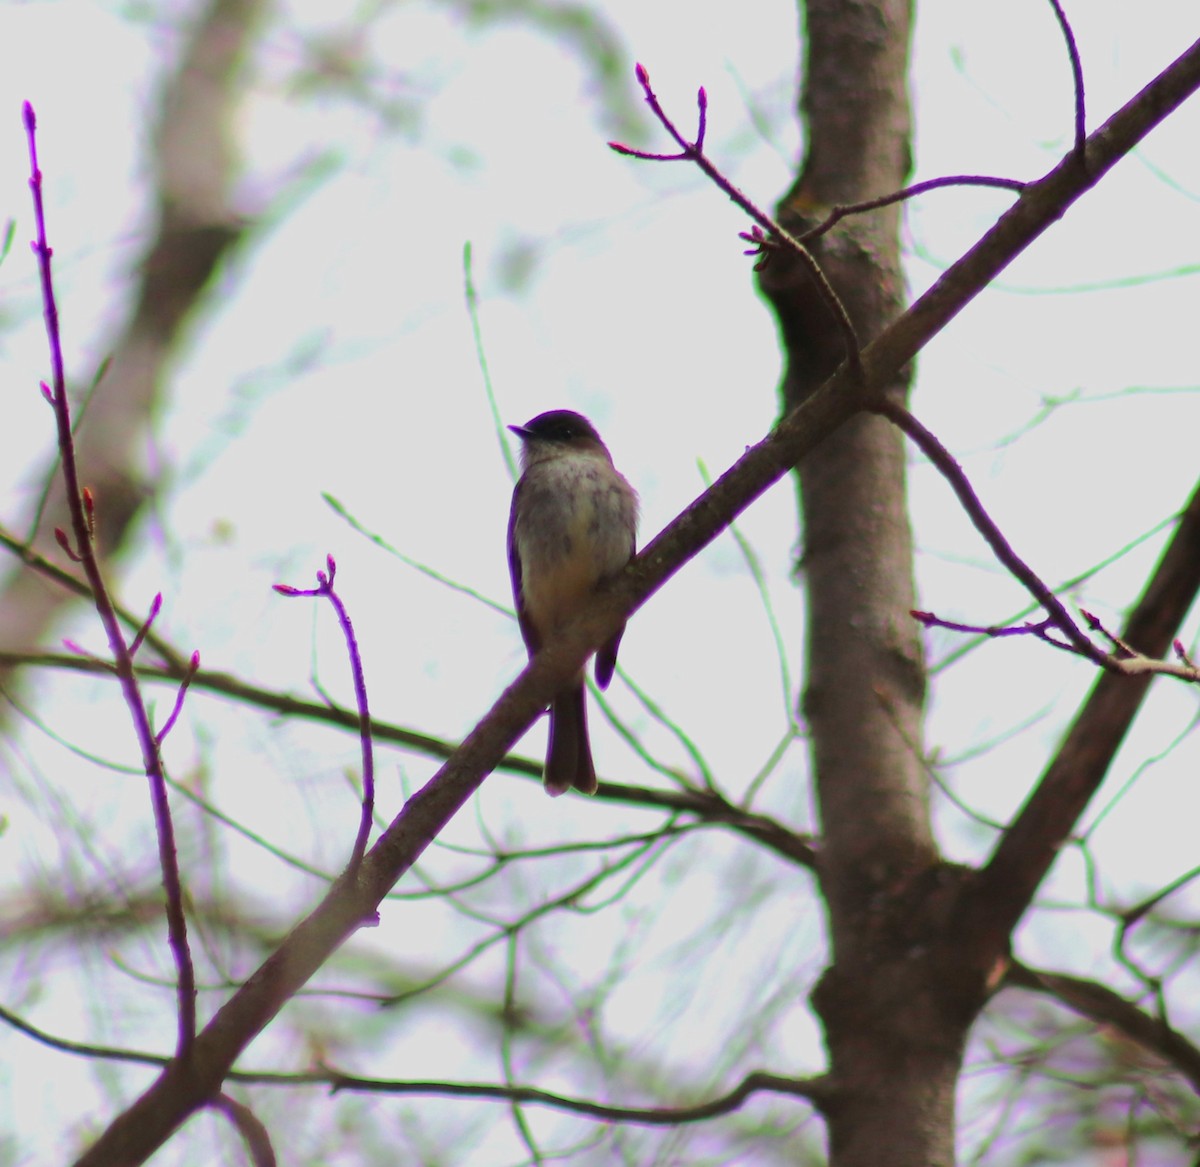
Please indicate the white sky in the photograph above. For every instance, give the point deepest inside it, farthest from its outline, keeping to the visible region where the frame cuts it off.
(639, 311)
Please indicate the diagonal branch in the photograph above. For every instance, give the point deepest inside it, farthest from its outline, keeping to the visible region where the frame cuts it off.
(1027, 850)
(178, 1092)
(1101, 1004)
(929, 445)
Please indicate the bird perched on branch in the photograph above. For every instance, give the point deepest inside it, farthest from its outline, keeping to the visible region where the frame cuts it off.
(573, 524)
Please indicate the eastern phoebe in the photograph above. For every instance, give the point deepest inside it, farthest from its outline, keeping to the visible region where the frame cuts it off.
(573, 525)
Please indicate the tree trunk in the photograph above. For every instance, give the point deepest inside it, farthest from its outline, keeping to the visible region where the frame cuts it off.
(895, 1037)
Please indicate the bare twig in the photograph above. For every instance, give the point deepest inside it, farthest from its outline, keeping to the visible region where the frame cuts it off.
(81, 508)
(1040, 628)
(929, 445)
(1130, 918)
(1003, 889)
(817, 1090)
(705, 806)
(105, 1053)
(79, 587)
(1119, 647)
(180, 694)
(844, 210)
(573, 897)
(254, 1134)
(472, 298)
(694, 152)
(1076, 76)
(324, 589)
(1123, 659)
(144, 630)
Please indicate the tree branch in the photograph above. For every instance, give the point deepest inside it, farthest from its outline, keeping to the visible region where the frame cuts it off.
(1006, 885)
(941, 458)
(247, 1124)
(707, 806)
(1104, 1006)
(817, 1090)
(150, 1120)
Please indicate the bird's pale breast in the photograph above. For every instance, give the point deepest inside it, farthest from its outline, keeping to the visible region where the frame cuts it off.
(577, 527)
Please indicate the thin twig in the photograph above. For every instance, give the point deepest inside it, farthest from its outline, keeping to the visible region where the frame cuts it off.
(144, 630)
(512, 948)
(1123, 659)
(324, 589)
(944, 461)
(694, 152)
(81, 510)
(79, 587)
(1130, 918)
(254, 1134)
(180, 694)
(573, 898)
(842, 210)
(472, 298)
(817, 1090)
(1023, 855)
(1076, 77)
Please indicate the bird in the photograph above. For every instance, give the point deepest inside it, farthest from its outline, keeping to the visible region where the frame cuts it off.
(572, 526)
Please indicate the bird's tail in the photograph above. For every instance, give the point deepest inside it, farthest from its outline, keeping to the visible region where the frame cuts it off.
(569, 753)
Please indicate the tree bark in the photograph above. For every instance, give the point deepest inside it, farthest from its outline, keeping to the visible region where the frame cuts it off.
(895, 1041)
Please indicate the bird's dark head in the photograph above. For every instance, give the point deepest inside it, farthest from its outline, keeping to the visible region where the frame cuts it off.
(559, 427)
